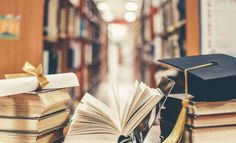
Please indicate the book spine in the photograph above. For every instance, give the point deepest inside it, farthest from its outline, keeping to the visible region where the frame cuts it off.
(45, 61)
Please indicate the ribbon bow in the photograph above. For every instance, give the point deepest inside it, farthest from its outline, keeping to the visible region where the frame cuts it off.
(30, 70)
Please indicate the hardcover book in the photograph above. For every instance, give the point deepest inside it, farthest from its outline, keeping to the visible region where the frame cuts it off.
(24, 137)
(34, 104)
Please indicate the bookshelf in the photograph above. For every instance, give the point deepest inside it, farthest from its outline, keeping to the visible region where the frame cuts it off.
(193, 27)
(78, 42)
(28, 47)
(63, 35)
(169, 29)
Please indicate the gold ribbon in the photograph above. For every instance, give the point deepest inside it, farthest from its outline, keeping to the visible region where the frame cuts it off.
(30, 70)
(178, 131)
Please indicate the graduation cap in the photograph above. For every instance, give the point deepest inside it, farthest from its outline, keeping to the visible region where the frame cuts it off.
(207, 77)
(210, 77)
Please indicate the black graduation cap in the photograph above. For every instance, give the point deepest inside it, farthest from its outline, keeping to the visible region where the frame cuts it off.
(211, 83)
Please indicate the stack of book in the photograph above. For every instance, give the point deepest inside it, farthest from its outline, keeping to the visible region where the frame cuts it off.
(34, 117)
(206, 121)
(211, 116)
(28, 115)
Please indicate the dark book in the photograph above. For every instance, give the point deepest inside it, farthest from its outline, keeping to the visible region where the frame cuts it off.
(182, 31)
(45, 18)
(215, 134)
(95, 52)
(166, 127)
(70, 58)
(222, 119)
(52, 62)
(182, 9)
(200, 108)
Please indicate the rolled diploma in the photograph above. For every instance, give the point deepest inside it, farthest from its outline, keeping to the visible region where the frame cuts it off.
(28, 84)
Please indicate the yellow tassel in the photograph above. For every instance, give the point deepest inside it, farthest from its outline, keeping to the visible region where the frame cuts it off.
(177, 132)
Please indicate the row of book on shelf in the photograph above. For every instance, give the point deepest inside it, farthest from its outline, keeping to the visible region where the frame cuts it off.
(64, 20)
(53, 57)
(72, 39)
(163, 26)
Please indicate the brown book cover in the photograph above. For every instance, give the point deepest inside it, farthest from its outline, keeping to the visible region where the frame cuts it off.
(49, 136)
(200, 120)
(34, 104)
(34, 125)
(218, 134)
(198, 108)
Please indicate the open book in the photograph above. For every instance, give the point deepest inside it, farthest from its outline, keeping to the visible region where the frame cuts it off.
(94, 122)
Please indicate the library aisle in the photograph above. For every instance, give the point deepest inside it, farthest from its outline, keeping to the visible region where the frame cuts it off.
(120, 65)
(121, 74)
(101, 47)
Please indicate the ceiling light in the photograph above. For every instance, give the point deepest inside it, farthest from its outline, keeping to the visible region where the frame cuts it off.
(107, 16)
(103, 6)
(131, 6)
(130, 16)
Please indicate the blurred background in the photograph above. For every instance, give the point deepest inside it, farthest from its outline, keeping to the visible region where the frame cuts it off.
(112, 41)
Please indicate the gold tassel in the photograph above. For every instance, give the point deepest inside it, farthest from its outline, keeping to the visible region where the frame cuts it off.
(178, 131)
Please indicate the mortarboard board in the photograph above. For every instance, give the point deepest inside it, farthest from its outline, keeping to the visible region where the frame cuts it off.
(211, 83)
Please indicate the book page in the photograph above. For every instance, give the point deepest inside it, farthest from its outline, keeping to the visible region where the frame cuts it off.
(154, 97)
(102, 108)
(88, 120)
(117, 107)
(93, 121)
(129, 104)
